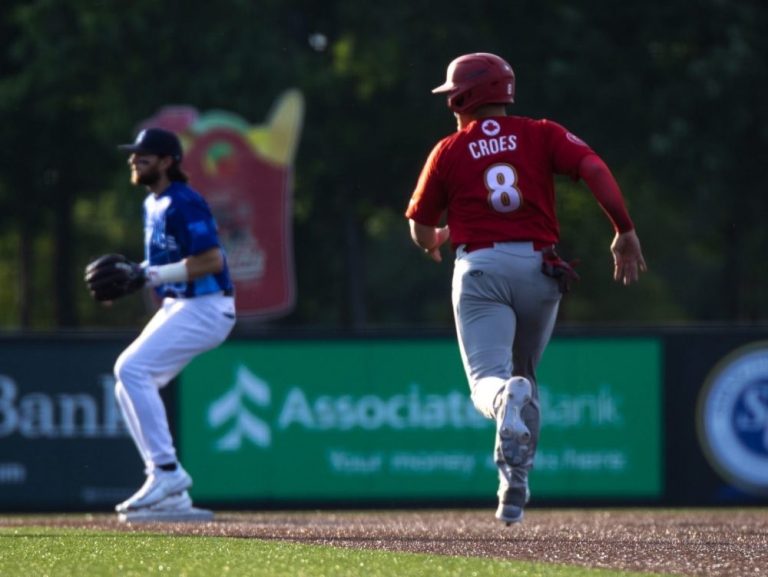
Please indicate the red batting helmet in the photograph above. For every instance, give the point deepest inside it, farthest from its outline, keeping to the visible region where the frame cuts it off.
(476, 79)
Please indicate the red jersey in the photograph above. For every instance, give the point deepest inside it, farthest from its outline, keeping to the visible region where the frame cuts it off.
(495, 180)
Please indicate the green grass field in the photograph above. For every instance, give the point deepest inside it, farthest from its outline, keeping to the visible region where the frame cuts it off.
(32, 551)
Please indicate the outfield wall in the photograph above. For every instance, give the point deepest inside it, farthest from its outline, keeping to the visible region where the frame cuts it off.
(653, 416)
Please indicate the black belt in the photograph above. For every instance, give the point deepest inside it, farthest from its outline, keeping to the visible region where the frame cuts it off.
(473, 246)
(230, 292)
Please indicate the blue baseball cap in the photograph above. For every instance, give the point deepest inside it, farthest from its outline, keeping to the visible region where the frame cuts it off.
(155, 141)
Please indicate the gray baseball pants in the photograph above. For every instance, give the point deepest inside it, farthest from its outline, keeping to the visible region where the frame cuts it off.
(505, 310)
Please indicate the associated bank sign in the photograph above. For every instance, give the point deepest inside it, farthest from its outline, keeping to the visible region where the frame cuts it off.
(413, 409)
(732, 418)
(60, 415)
(59, 420)
(380, 419)
(239, 412)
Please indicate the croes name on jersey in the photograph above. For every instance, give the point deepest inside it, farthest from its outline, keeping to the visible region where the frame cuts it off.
(487, 146)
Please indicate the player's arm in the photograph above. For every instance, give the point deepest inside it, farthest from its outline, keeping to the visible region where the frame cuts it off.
(210, 261)
(427, 205)
(627, 254)
(429, 238)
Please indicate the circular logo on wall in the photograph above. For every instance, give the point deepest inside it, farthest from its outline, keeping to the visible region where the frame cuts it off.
(732, 418)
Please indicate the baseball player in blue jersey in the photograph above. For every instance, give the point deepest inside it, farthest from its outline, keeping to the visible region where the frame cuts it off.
(187, 268)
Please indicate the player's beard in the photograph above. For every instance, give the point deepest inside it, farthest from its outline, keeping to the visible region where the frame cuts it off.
(147, 178)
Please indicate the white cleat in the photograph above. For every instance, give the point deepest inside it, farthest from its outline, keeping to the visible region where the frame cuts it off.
(173, 508)
(513, 438)
(158, 486)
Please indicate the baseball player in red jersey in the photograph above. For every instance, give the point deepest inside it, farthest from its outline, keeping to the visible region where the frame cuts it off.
(491, 182)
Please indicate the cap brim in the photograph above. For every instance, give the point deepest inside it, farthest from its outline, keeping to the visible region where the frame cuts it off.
(446, 87)
(130, 148)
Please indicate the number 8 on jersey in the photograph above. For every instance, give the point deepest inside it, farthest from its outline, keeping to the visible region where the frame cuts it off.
(503, 195)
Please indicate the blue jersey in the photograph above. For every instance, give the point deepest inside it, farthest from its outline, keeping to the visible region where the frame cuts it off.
(178, 224)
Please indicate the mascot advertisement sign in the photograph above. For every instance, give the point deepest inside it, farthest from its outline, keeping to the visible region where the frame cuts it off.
(245, 172)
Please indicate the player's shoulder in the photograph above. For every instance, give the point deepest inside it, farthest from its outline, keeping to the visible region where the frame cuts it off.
(543, 124)
(443, 146)
(547, 132)
(186, 200)
(449, 140)
(185, 193)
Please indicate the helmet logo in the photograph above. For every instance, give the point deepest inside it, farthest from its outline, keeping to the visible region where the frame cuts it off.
(575, 139)
(473, 80)
(490, 127)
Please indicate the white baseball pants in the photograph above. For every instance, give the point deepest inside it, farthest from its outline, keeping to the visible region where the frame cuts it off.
(178, 332)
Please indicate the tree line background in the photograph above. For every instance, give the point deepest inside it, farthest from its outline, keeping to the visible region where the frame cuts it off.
(670, 93)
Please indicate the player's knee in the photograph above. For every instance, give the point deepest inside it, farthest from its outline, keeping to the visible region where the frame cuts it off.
(484, 392)
(127, 370)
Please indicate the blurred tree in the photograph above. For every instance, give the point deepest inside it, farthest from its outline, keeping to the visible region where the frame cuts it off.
(668, 93)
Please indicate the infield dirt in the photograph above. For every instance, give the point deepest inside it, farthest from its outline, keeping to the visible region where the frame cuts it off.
(712, 543)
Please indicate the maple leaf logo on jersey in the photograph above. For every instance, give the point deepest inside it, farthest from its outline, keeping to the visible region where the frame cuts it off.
(490, 127)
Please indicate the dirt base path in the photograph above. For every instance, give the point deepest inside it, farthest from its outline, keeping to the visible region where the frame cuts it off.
(719, 543)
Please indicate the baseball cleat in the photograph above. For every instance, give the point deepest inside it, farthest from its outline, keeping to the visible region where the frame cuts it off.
(173, 508)
(513, 438)
(158, 486)
(509, 513)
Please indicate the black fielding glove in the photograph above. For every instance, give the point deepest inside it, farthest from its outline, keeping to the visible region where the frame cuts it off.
(557, 268)
(112, 276)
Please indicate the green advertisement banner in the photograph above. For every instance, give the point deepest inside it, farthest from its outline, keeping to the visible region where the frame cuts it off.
(63, 443)
(381, 419)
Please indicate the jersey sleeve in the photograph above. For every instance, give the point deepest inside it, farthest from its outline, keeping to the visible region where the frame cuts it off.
(194, 227)
(606, 191)
(429, 199)
(201, 229)
(567, 149)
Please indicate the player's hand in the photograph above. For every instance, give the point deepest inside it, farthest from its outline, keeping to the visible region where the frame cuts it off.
(441, 236)
(628, 258)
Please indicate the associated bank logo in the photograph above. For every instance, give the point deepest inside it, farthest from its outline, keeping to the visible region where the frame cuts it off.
(79, 414)
(232, 410)
(233, 415)
(733, 418)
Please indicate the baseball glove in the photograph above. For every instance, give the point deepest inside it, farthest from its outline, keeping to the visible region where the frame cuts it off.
(113, 276)
(559, 269)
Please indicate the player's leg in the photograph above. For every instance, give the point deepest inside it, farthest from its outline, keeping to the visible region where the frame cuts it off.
(485, 327)
(138, 395)
(185, 328)
(491, 293)
(486, 324)
(124, 400)
(132, 423)
(537, 302)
